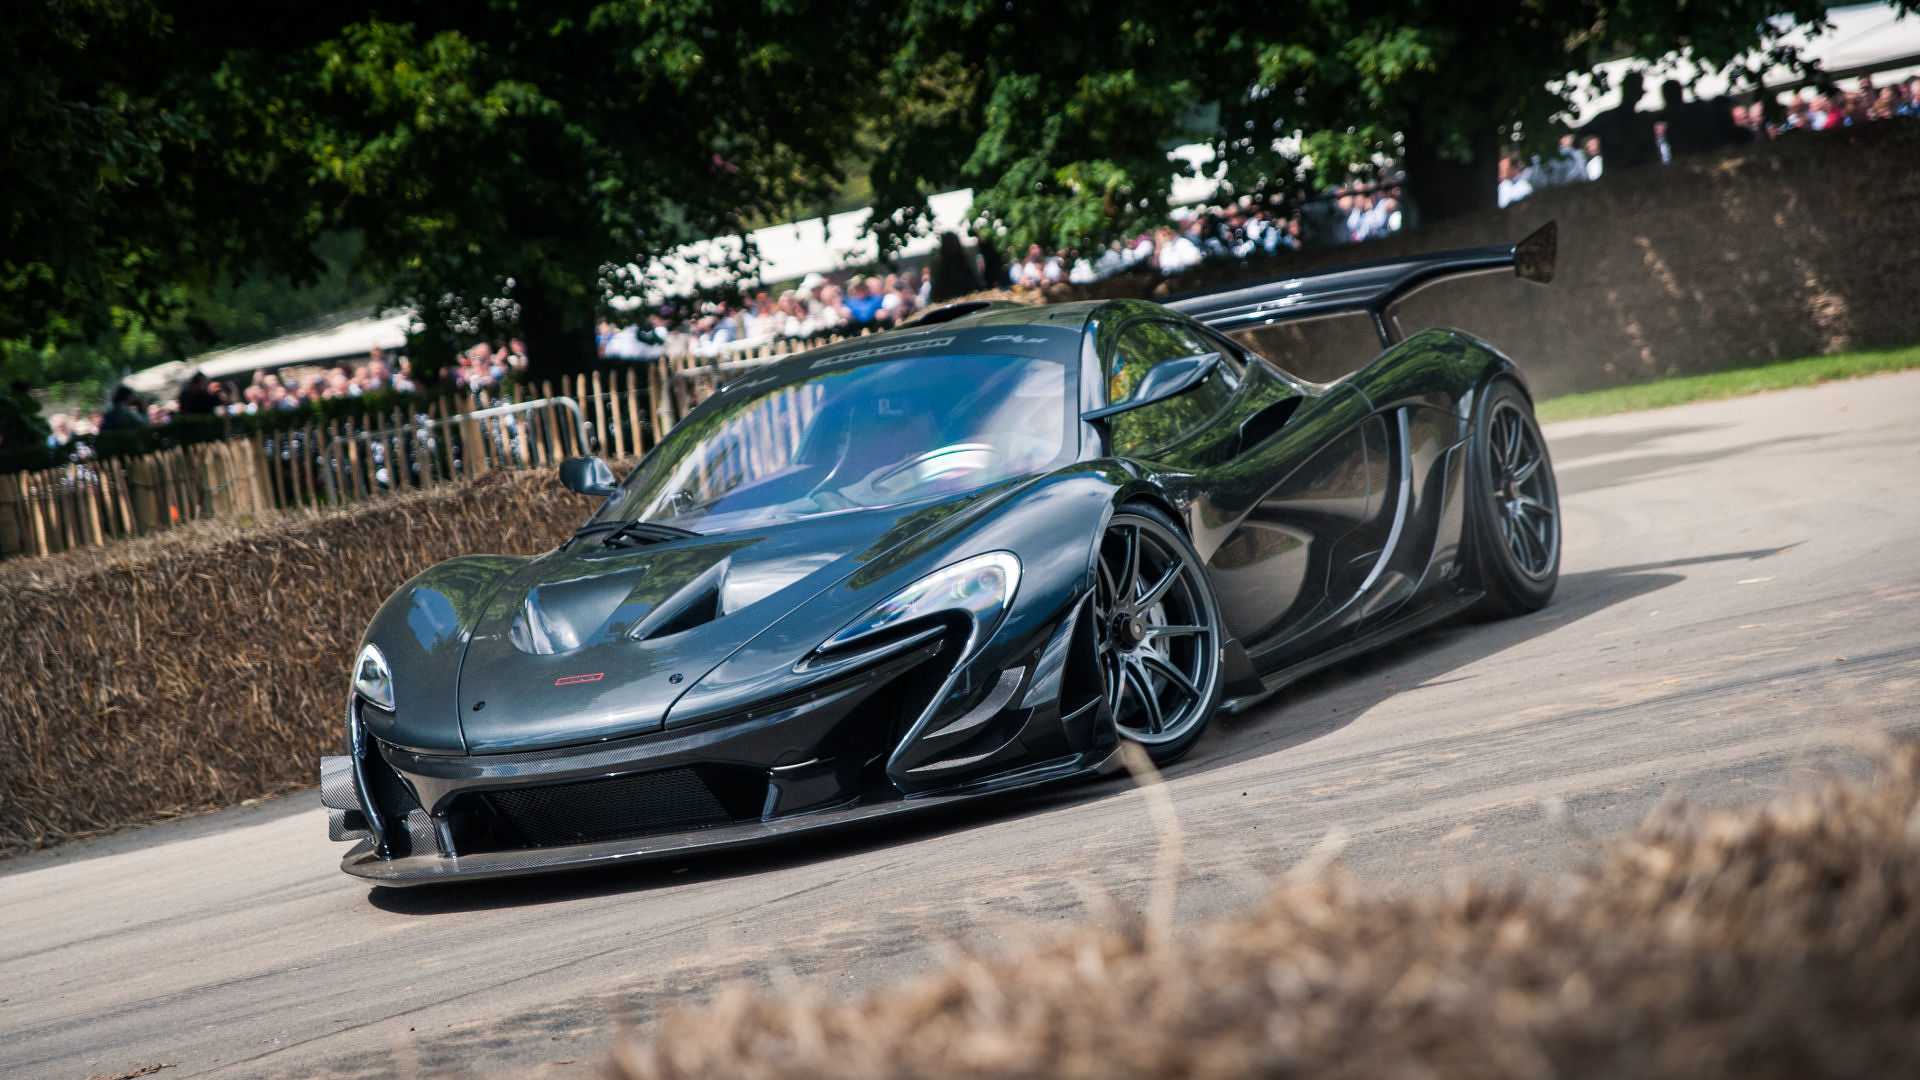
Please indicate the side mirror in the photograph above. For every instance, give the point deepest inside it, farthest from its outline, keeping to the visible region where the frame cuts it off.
(588, 476)
(1167, 379)
(1533, 258)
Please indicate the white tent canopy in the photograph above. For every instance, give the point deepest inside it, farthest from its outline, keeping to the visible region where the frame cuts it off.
(794, 250)
(355, 338)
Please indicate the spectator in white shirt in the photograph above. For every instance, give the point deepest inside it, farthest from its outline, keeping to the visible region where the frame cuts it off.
(1173, 252)
(1515, 184)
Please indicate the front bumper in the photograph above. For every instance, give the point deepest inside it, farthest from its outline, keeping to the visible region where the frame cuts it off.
(364, 860)
(835, 754)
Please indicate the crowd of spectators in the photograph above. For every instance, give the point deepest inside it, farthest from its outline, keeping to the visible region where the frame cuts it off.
(478, 368)
(821, 304)
(1631, 137)
(818, 304)
(1865, 103)
(1238, 230)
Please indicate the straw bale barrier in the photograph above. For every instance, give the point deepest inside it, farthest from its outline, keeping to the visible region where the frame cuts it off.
(201, 668)
(1773, 942)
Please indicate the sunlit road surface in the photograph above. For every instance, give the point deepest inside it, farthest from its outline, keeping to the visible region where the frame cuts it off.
(1739, 612)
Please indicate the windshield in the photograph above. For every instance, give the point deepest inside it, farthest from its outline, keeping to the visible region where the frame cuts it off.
(843, 438)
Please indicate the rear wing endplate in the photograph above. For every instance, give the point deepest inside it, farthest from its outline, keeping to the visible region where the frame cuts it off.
(1372, 288)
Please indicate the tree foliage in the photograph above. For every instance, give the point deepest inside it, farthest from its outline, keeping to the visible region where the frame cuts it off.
(510, 166)
(516, 165)
(1070, 108)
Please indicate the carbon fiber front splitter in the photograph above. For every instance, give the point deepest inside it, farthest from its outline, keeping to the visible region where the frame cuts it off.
(361, 860)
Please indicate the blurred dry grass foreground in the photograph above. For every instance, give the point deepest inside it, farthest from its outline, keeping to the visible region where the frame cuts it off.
(1775, 942)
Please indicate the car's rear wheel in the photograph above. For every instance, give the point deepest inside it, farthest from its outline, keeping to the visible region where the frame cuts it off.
(1157, 633)
(1515, 505)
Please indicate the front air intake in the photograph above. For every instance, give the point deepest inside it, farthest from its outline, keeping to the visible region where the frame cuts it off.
(614, 808)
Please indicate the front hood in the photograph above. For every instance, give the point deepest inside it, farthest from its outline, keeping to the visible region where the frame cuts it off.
(596, 643)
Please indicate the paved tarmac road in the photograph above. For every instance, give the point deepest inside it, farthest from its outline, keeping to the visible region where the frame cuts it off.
(1740, 603)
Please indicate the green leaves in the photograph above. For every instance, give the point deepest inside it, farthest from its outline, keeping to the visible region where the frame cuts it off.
(506, 162)
(1073, 102)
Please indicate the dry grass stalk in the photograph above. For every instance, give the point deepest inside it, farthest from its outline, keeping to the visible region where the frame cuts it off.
(1782, 941)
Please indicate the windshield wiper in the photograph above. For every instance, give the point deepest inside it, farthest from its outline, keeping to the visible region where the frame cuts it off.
(646, 532)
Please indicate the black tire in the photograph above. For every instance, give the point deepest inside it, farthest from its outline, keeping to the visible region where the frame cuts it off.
(1513, 504)
(1157, 633)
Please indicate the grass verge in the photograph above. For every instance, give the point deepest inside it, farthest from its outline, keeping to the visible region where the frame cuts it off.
(1725, 384)
(1778, 941)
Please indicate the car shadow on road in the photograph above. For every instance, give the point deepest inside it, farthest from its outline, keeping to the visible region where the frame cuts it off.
(1327, 701)
(1581, 477)
(1312, 708)
(1571, 448)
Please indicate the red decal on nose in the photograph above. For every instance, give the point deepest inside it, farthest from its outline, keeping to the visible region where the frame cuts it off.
(575, 680)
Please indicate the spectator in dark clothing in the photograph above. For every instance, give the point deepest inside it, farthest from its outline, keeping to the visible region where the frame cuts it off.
(1626, 133)
(126, 412)
(1744, 125)
(953, 271)
(1324, 220)
(20, 422)
(1694, 126)
(993, 265)
(199, 397)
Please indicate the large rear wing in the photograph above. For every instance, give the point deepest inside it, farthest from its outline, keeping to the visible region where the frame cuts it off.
(1372, 288)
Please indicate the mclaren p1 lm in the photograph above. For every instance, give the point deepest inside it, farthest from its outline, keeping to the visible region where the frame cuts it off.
(969, 555)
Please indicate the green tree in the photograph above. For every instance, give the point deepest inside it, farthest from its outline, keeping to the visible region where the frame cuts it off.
(134, 193)
(1062, 114)
(519, 166)
(511, 166)
(514, 166)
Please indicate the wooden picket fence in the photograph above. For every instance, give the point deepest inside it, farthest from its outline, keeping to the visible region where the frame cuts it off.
(622, 412)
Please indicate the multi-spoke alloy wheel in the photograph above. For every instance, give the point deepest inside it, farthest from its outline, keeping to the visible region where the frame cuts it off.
(1528, 509)
(1516, 509)
(1157, 634)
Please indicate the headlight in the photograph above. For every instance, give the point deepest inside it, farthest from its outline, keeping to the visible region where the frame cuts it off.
(371, 679)
(981, 587)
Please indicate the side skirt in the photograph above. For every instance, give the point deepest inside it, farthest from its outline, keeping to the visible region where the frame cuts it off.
(1280, 680)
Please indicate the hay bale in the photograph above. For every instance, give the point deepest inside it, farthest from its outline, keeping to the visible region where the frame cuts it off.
(1782, 941)
(206, 666)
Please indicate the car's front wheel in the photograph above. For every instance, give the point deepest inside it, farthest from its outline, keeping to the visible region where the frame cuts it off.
(1157, 633)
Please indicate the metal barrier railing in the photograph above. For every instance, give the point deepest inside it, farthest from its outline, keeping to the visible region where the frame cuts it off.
(502, 435)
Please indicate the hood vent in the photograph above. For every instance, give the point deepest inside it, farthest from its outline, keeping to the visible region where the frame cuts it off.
(696, 604)
(563, 616)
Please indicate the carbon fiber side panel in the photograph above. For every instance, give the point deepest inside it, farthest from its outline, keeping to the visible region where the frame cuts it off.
(346, 825)
(420, 833)
(336, 783)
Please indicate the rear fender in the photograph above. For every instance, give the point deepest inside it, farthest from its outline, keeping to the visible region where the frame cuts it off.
(1438, 368)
